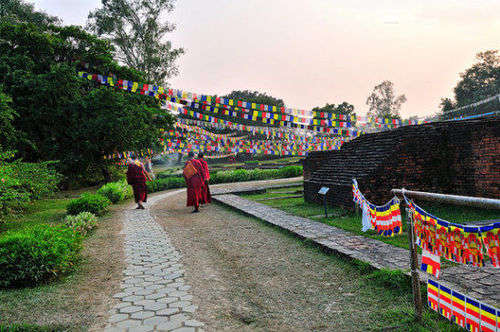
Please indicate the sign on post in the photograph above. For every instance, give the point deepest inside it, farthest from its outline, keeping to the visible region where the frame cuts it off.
(323, 192)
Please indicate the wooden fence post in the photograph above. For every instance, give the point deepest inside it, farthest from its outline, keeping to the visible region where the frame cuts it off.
(415, 280)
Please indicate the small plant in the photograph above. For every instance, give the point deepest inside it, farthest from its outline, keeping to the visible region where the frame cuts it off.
(94, 203)
(116, 191)
(82, 223)
(36, 255)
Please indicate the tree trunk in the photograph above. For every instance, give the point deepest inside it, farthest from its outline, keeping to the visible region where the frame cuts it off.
(106, 174)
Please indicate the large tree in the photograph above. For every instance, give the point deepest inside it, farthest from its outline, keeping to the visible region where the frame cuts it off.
(7, 115)
(383, 101)
(138, 30)
(478, 82)
(66, 118)
(19, 11)
(255, 97)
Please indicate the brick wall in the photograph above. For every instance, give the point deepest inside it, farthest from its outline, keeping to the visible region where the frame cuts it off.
(314, 160)
(460, 157)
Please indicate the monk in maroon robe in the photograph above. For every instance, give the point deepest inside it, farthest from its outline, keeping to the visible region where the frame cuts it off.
(193, 174)
(205, 190)
(137, 177)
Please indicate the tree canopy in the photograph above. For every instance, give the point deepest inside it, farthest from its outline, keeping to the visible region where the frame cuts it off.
(15, 11)
(478, 82)
(383, 101)
(343, 108)
(138, 29)
(66, 118)
(255, 97)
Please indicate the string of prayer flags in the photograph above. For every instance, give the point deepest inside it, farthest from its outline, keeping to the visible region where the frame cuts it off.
(431, 263)
(384, 219)
(462, 244)
(300, 116)
(465, 311)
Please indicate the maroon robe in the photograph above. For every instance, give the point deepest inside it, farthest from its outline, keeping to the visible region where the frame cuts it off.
(194, 185)
(137, 179)
(205, 190)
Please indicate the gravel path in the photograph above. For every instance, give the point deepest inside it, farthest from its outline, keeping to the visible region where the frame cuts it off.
(248, 276)
(153, 295)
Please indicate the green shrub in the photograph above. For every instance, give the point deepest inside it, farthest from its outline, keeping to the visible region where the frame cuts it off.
(22, 182)
(36, 255)
(290, 171)
(94, 203)
(116, 191)
(82, 223)
(166, 183)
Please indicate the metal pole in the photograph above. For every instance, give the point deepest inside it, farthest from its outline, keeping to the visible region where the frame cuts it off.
(324, 202)
(481, 202)
(415, 280)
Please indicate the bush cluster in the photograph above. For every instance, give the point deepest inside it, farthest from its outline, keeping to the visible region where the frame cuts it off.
(94, 203)
(166, 183)
(22, 182)
(34, 255)
(116, 191)
(239, 175)
(82, 223)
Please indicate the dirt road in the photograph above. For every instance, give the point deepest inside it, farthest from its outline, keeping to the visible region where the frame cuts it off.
(248, 276)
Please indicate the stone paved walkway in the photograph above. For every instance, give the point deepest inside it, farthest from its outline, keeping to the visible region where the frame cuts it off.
(480, 283)
(153, 295)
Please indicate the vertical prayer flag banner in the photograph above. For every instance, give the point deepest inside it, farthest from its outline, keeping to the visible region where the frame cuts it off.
(431, 263)
(445, 302)
(488, 318)
(473, 319)
(433, 295)
(462, 310)
(458, 308)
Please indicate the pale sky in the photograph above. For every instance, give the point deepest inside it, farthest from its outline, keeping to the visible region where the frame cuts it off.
(317, 51)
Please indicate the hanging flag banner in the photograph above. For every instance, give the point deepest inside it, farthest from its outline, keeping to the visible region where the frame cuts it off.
(385, 219)
(431, 263)
(302, 116)
(462, 244)
(465, 311)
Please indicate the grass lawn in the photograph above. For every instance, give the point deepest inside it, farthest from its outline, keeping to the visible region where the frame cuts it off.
(351, 222)
(77, 301)
(45, 211)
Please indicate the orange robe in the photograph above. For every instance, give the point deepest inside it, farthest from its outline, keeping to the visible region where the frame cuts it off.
(194, 185)
(206, 196)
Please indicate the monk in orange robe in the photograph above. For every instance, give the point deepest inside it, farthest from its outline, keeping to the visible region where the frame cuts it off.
(193, 174)
(137, 177)
(205, 190)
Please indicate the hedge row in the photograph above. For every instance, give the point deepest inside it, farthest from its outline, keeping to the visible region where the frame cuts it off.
(240, 175)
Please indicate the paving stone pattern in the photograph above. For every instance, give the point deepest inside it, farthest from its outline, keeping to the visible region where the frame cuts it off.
(480, 283)
(153, 296)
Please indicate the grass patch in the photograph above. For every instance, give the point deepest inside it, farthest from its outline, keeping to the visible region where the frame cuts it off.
(45, 211)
